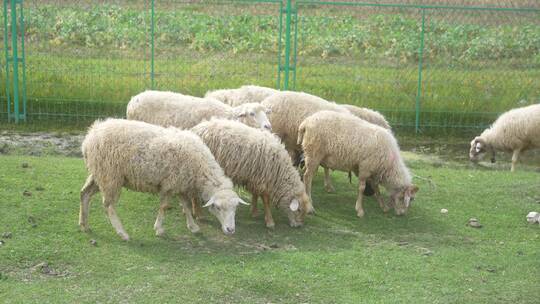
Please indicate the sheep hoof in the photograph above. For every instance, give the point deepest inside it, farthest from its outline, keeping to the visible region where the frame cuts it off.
(85, 228)
(194, 229)
(124, 237)
(270, 225)
(360, 213)
(160, 232)
(330, 189)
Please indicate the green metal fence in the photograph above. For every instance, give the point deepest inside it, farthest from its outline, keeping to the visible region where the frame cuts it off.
(424, 66)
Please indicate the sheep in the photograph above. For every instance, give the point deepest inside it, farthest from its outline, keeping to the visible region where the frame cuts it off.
(344, 142)
(258, 161)
(288, 110)
(244, 94)
(184, 112)
(147, 158)
(515, 131)
(368, 115)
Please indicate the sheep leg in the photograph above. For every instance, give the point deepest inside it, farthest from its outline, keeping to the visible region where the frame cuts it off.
(254, 210)
(192, 226)
(267, 212)
(311, 168)
(514, 160)
(379, 197)
(361, 188)
(88, 190)
(327, 181)
(109, 199)
(196, 208)
(164, 204)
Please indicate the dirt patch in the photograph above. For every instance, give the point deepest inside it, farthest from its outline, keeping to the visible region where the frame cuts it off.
(38, 144)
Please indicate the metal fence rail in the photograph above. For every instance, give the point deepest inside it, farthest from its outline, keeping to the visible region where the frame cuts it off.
(424, 66)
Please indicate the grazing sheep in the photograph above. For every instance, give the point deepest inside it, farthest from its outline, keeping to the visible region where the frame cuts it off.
(289, 109)
(514, 131)
(257, 160)
(345, 142)
(184, 112)
(368, 115)
(244, 94)
(147, 158)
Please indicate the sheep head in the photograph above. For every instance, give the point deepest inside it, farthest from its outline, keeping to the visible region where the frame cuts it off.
(297, 208)
(253, 115)
(402, 199)
(223, 206)
(478, 150)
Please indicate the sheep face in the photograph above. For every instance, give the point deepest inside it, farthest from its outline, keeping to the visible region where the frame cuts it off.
(253, 115)
(478, 150)
(223, 206)
(403, 198)
(297, 208)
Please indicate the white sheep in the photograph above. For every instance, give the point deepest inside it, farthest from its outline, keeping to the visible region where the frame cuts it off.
(515, 131)
(368, 115)
(147, 158)
(344, 142)
(288, 110)
(244, 94)
(258, 161)
(184, 112)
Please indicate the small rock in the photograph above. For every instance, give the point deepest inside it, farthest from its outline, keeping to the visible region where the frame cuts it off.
(533, 217)
(2, 242)
(27, 193)
(25, 165)
(474, 223)
(427, 252)
(403, 243)
(492, 270)
(43, 268)
(39, 188)
(6, 235)
(32, 221)
(444, 211)
(93, 242)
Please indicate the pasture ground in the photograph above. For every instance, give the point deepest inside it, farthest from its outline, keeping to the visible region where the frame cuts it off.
(424, 257)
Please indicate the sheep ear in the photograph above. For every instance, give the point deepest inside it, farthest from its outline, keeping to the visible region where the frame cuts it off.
(239, 112)
(413, 189)
(240, 201)
(294, 205)
(209, 203)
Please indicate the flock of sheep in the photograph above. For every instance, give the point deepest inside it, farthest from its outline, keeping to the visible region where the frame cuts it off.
(197, 149)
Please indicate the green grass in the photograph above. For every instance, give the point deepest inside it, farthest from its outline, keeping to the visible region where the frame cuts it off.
(424, 257)
(86, 61)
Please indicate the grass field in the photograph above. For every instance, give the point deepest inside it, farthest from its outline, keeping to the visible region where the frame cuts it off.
(424, 257)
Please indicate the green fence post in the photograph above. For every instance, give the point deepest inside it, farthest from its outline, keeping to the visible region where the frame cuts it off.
(6, 53)
(295, 48)
(287, 66)
(278, 82)
(420, 66)
(152, 71)
(23, 61)
(15, 60)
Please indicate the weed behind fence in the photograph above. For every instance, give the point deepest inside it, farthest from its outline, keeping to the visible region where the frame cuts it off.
(423, 66)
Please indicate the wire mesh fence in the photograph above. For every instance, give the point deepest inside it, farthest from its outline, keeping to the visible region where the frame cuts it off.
(424, 64)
